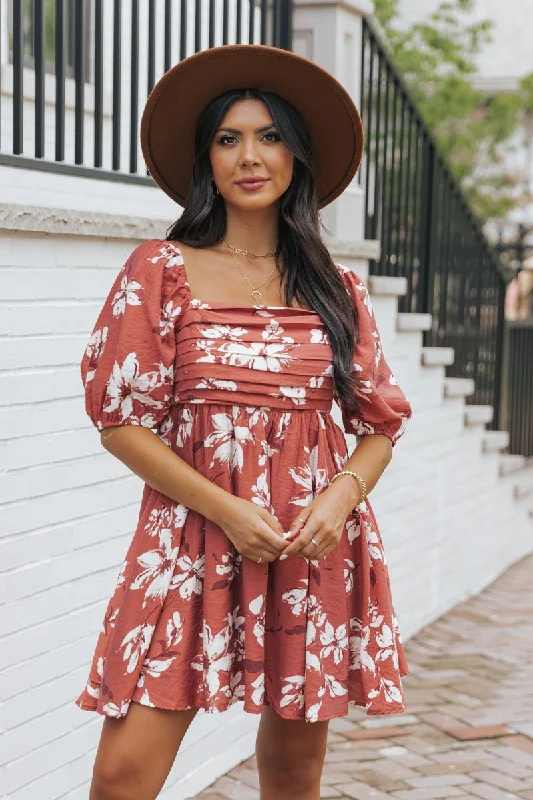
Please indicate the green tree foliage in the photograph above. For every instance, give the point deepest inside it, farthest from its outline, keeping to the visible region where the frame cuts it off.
(437, 58)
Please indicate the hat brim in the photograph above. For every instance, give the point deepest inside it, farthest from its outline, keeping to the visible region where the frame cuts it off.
(176, 102)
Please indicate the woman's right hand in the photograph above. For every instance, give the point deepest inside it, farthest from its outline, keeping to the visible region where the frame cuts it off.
(254, 532)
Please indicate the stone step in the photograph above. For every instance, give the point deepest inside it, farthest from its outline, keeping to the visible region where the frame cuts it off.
(383, 285)
(510, 463)
(413, 322)
(459, 387)
(478, 415)
(437, 356)
(495, 441)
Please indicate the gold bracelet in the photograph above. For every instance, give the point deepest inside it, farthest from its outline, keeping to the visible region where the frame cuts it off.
(360, 482)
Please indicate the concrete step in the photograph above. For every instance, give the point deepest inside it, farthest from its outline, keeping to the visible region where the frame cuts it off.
(510, 463)
(437, 356)
(478, 415)
(459, 387)
(495, 441)
(413, 322)
(523, 485)
(383, 285)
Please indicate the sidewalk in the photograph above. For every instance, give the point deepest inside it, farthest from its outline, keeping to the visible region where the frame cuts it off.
(468, 728)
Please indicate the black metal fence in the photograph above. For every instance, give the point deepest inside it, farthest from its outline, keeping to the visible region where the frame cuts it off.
(427, 231)
(517, 401)
(82, 69)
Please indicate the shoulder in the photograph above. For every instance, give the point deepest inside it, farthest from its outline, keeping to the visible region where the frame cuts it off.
(154, 255)
(154, 269)
(354, 284)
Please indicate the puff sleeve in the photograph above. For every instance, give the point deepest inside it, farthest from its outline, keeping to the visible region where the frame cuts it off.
(383, 407)
(127, 369)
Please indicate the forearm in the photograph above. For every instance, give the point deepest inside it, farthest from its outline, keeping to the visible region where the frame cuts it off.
(156, 464)
(369, 459)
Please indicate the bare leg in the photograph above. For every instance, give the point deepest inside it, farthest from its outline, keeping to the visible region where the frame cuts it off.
(290, 757)
(136, 753)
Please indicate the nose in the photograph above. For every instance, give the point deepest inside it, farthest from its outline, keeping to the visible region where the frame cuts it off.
(249, 153)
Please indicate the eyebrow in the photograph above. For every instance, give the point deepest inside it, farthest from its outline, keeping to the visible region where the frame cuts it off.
(257, 130)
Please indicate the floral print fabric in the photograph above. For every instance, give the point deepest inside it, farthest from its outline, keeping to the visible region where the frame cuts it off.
(244, 395)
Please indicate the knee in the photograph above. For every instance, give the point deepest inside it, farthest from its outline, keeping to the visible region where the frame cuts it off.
(115, 778)
(299, 771)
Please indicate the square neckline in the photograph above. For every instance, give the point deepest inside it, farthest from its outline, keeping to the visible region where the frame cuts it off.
(226, 303)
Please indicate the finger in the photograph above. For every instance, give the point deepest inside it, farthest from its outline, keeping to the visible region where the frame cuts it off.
(270, 540)
(311, 550)
(301, 541)
(297, 525)
(324, 551)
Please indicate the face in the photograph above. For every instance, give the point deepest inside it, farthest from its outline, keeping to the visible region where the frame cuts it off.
(251, 166)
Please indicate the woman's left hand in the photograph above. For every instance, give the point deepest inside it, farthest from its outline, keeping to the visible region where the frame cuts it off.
(323, 522)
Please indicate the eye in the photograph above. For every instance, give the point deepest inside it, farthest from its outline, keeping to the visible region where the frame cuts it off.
(275, 137)
(226, 138)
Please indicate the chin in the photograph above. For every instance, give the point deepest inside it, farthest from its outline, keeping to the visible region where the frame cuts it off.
(254, 202)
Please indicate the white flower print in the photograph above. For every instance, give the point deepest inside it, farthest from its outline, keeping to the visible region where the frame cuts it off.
(171, 254)
(374, 548)
(310, 478)
(333, 686)
(297, 599)
(95, 348)
(112, 710)
(158, 566)
(295, 393)
(174, 631)
(153, 667)
(159, 518)
(215, 383)
(311, 714)
(255, 355)
(184, 426)
(224, 332)
(293, 691)
(388, 690)
(126, 296)
(258, 694)
(167, 321)
(261, 491)
(319, 336)
(214, 658)
(257, 608)
(348, 574)
(230, 565)
(127, 384)
(353, 528)
(136, 643)
(334, 641)
(188, 576)
(230, 439)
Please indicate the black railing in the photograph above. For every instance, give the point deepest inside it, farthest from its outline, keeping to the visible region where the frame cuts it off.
(517, 401)
(428, 234)
(82, 69)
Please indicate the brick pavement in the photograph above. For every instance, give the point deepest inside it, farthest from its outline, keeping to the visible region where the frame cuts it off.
(467, 731)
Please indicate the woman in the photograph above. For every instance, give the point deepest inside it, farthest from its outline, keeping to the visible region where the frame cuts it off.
(256, 572)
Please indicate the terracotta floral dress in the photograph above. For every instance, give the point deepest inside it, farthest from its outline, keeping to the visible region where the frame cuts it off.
(244, 395)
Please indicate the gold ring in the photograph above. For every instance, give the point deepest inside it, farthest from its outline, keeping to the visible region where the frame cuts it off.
(259, 560)
(301, 520)
(314, 541)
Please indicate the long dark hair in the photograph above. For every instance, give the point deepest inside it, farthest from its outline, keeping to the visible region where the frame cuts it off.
(302, 257)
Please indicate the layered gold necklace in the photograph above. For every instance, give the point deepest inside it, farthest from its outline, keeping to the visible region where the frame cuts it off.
(255, 293)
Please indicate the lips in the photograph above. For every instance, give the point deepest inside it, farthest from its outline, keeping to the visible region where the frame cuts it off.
(251, 183)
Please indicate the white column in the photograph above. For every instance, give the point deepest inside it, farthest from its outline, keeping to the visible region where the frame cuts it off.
(330, 33)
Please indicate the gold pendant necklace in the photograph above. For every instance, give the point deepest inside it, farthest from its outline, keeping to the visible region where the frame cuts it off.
(255, 294)
(246, 252)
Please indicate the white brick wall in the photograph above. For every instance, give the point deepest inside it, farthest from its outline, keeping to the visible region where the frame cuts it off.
(67, 510)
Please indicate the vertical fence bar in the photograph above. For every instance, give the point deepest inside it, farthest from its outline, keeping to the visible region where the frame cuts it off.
(117, 78)
(225, 21)
(238, 22)
(79, 79)
(168, 35)
(499, 353)
(212, 23)
(426, 223)
(60, 80)
(151, 46)
(251, 21)
(134, 84)
(98, 83)
(385, 196)
(198, 25)
(183, 29)
(18, 83)
(264, 19)
(38, 55)
(392, 182)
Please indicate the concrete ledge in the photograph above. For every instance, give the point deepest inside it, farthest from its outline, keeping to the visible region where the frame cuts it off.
(62, 221)
(365, 249)
(437, 356)
(413, 322)
(459, 387)
(478, 415)
(524, 485)
(385, 286)
(494, 441)
(510, 463)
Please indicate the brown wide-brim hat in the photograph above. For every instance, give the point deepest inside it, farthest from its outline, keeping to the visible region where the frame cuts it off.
(178, 99)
